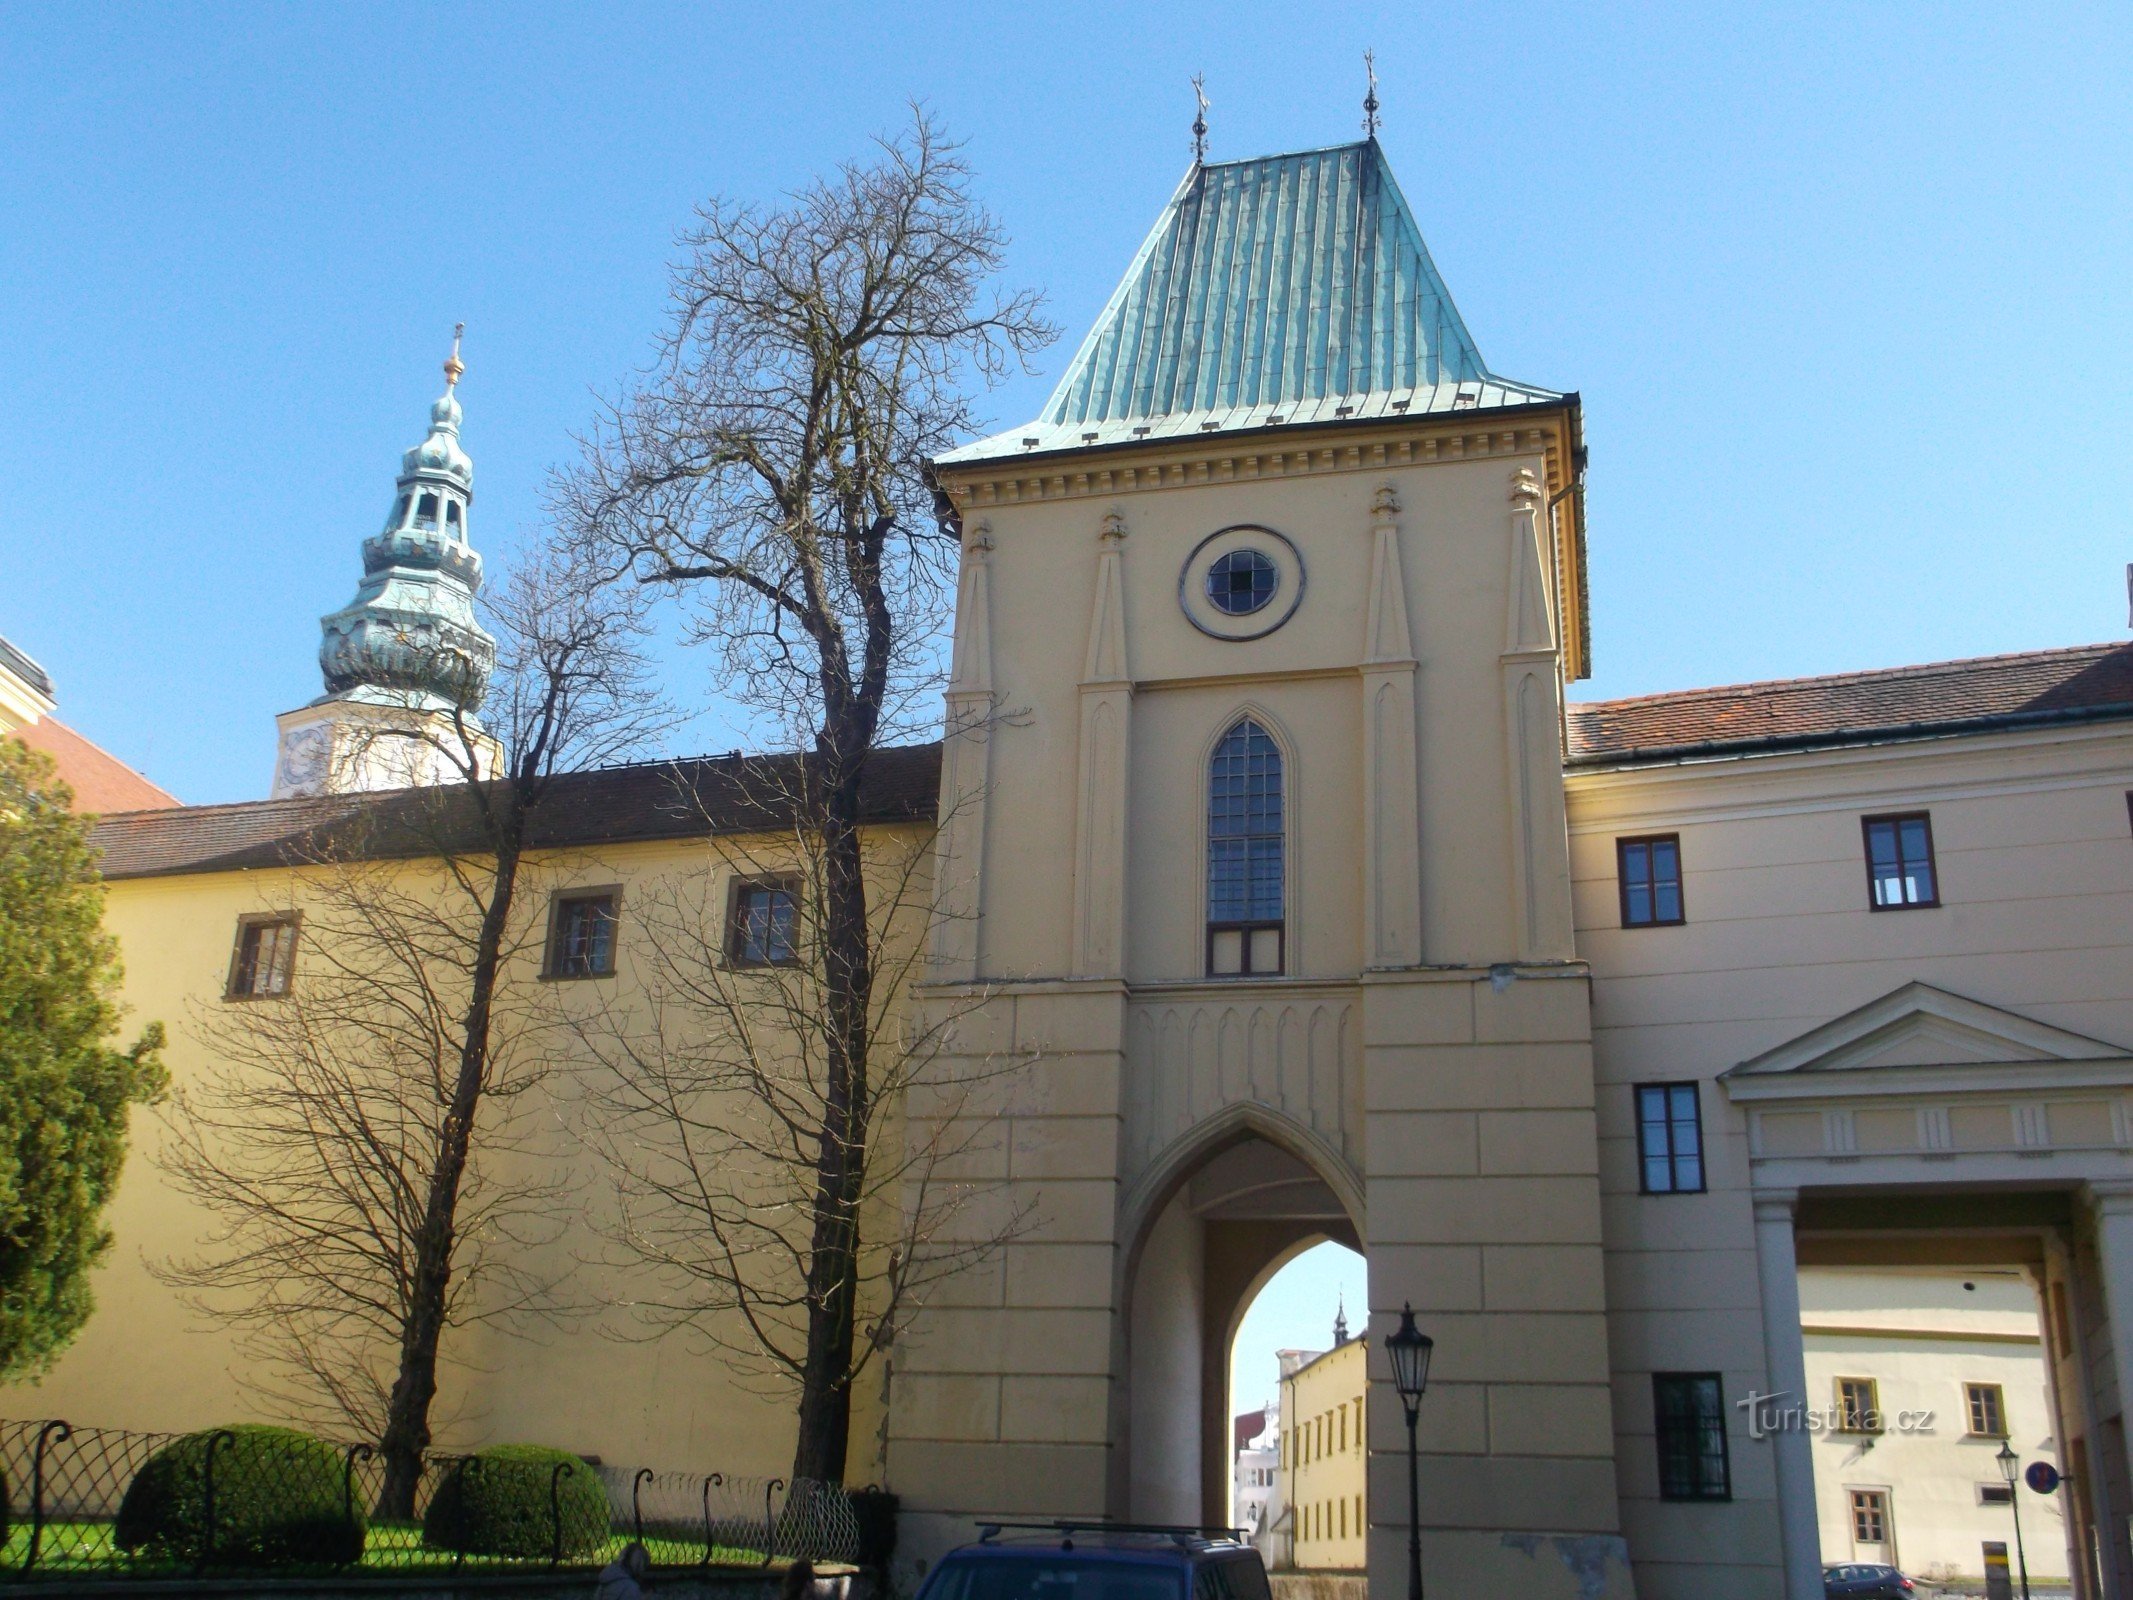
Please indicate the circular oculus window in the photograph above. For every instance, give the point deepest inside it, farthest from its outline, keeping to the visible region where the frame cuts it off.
(1241, 583)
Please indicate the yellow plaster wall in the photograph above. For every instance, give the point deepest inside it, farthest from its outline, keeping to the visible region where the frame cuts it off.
(148, 1360)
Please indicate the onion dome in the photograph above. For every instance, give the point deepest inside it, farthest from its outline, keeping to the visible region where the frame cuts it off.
(410, 637)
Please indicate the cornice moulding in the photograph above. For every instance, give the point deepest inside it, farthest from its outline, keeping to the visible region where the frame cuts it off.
(1178, 464)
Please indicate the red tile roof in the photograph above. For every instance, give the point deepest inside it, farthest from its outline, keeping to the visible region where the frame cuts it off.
(655, 800)
(100, 781)
(1985, 694)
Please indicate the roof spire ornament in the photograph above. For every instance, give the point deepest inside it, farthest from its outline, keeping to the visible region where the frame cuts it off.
(1340, 1322)
(454, 368)
(1370, 95)
(1199, 121)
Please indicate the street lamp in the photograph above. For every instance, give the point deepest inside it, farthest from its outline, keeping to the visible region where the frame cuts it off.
(1408, 1349)
(2011, 1469)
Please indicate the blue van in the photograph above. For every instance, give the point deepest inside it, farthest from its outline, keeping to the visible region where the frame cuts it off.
(1098, 1561)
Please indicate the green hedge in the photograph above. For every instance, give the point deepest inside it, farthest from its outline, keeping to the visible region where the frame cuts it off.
(498, 1503)
(281, 1498)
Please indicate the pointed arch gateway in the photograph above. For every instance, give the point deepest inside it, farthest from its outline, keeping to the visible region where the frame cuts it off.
(1203, 1229)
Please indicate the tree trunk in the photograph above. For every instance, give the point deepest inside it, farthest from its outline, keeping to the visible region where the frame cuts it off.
(825, 1421)
(406, 1437)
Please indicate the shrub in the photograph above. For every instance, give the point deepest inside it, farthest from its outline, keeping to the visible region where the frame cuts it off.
(281, 1498)
(498, 1503)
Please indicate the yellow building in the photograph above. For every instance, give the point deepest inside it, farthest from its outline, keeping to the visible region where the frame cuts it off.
(1270, 834)
(1324, 1459)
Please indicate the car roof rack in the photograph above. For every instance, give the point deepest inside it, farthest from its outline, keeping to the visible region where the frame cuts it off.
(1066, 1529)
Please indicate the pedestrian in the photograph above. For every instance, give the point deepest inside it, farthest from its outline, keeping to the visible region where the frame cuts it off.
(623, 1577)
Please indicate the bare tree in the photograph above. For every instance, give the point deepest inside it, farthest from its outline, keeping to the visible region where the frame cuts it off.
(356, 1135)
(774, 469)
(719, 1079)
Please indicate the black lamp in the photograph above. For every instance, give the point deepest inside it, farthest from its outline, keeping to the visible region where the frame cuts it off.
(1408, 1348)
(2011, 1469)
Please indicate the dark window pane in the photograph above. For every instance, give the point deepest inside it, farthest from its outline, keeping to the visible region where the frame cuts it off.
(1241, 581)
(1244, 828)
(1691, 1435)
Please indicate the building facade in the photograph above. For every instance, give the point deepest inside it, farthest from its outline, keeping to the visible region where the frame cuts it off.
(1270, 838)
(1920, 1379)
(1322, 1460)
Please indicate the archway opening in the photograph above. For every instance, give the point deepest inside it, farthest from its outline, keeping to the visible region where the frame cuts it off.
(1937, 1329)
(1297, 1377)
(1207, 1253)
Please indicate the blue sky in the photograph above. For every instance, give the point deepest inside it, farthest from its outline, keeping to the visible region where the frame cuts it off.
(1845, 289)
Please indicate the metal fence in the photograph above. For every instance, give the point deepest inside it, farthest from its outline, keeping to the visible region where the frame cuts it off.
(107, 1502)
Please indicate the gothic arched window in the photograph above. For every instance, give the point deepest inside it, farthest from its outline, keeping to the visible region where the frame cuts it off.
(1244, 854)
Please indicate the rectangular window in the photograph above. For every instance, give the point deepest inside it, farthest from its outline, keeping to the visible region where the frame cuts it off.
(764, 927)
(581, 934)
(1689, 1421)
(1669, 1138)
(1899, 862)
(1858, 1406)
(1870, 1516)
(1650, 874)
(1995, 1494)
(1987, 1406)
(265, 958)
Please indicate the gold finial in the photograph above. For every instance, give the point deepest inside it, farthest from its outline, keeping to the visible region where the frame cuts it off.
(453, 366)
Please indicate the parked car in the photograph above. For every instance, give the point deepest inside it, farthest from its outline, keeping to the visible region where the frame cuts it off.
(1093, 1561)
(1865, 1580)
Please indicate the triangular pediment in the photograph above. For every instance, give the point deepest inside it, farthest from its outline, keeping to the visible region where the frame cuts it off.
(1921, 1026)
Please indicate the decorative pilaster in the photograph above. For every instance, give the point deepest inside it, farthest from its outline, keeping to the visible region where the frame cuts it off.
(1532, 705)
(1106, 732)
(1392, 822)
(966, 771)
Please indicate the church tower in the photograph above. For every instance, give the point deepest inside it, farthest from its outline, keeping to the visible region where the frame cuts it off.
(405, 662)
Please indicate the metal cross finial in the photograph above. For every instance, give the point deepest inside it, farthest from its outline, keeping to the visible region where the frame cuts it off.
(1199, 121)
(1370, 97)
(453, 366)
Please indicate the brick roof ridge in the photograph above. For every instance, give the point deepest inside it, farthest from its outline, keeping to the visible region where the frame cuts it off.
(1919, 669)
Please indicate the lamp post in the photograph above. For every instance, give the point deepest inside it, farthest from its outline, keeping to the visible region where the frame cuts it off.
(2011, 1470)
(1408, 1348)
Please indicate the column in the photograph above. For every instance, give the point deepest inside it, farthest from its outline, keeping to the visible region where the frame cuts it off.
(1785, 1361)
(2113, 1203)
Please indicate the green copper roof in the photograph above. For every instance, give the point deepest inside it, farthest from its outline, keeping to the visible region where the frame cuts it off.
(1287, 289)
(410, 636)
